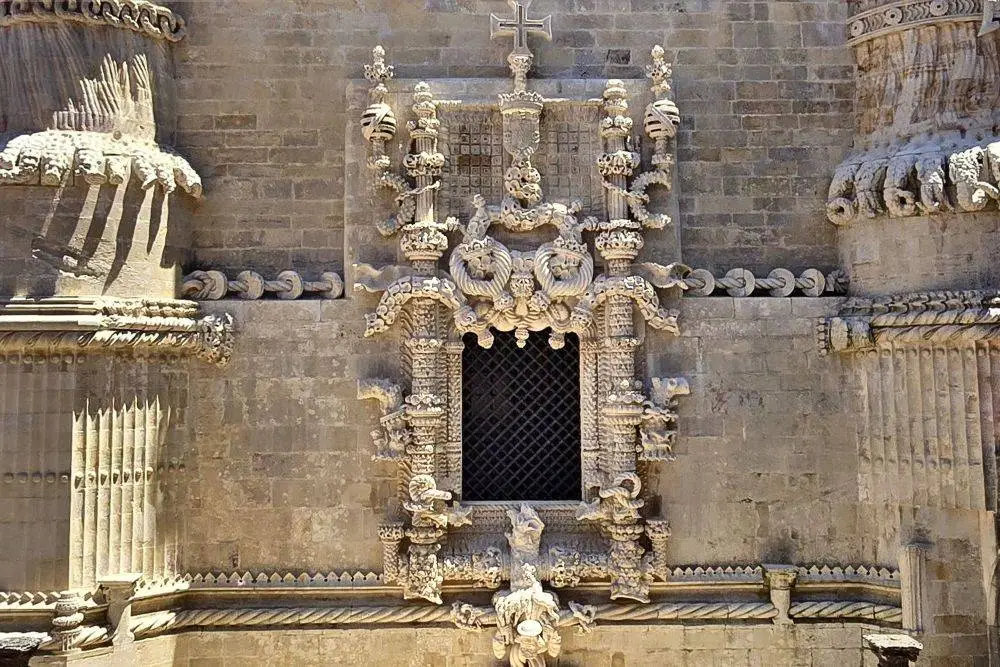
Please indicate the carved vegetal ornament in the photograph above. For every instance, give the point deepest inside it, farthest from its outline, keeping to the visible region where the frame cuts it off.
(558, 288)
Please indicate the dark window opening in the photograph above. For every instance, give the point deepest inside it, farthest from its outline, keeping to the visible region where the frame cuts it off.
(521, 419)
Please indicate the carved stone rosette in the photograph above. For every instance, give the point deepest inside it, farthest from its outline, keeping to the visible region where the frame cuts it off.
(554, 288)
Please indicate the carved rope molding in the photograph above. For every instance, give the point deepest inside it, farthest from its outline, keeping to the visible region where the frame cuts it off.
(65, 329)
(139, 16)
(942, 318)
(879, 18)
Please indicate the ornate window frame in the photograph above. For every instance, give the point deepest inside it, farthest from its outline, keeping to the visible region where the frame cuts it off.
(488, 286)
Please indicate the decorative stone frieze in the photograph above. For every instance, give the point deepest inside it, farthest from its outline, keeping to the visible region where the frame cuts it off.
(874, 18)
(942, 318)
(251, 286)
(141, 16)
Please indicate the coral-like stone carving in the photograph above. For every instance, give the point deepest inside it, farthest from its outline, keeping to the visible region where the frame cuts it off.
(107, 137)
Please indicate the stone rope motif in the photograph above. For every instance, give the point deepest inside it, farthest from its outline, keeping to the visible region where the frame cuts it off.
(250, 286)
(948, 318)
(464, 616)
(139, 16)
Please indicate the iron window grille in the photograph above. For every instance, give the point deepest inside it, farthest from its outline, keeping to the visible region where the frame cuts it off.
(521, 420)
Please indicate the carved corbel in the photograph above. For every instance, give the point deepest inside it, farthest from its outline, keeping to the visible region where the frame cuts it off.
(658, 430)
(779, 580)
(118, 592)
(893, 650)
(393, 437)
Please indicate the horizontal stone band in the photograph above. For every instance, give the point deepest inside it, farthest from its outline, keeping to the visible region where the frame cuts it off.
(906, 14)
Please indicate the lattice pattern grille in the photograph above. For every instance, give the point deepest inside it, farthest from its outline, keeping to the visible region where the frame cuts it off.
(521, 419)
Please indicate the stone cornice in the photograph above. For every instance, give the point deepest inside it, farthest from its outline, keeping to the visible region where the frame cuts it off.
(875, 20)
(267, 601)
(139, 16)
(67, 328)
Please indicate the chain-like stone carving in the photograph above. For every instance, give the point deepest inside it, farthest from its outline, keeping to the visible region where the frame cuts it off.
(141, 16)
(742, 282)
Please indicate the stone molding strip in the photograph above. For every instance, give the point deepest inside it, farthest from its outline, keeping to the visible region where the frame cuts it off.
(251, 286)
(941, 318)
(916, 179)
(906, 14)
(778, 283)
(66, 329)
(467, 617)
(139, 16)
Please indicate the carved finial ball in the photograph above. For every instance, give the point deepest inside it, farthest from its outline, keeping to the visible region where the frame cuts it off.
(661, 119)
(378, 122)
(658, 53)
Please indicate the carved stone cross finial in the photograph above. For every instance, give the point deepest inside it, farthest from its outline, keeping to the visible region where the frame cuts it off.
(520, 27)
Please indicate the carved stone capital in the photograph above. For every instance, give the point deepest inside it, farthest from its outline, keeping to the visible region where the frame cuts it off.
(118, 591)
(779, 580)
(893, 650)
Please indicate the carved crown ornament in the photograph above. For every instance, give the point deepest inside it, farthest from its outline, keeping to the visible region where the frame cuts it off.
(559, 287)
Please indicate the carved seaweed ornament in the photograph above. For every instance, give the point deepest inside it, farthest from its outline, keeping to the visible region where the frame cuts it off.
(926, 112)
(554, 288)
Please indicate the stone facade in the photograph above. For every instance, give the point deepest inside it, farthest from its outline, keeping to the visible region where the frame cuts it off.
(242, 244)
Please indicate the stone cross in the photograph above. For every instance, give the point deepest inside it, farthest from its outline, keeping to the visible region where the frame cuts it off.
(520, 26)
